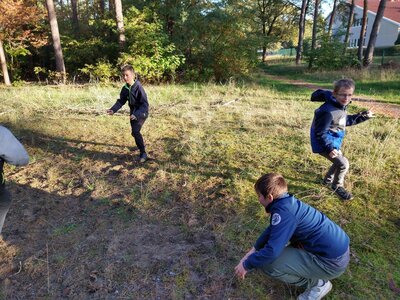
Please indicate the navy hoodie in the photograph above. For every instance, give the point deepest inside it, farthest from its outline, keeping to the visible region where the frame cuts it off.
(137, 100)
(300, 224)
(329, 124)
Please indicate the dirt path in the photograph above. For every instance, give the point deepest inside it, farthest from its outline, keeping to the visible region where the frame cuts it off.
(387, 109)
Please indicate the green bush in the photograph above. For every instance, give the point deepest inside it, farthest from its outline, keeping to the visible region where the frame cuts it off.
(329, 55)
(148, 48)
(102, 71)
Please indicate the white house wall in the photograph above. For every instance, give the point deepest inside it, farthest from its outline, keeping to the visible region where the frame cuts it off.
(387, 34)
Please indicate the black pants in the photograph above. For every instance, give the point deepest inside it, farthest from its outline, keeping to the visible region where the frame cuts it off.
(5, 202)
(136, 126)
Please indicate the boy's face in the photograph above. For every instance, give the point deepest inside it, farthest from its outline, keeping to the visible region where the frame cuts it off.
(128, 77)
(343, 95)
(263, 201)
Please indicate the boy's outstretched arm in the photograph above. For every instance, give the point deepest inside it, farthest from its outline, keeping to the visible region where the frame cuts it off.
(358, 118)
(11, 150)
(240, 271)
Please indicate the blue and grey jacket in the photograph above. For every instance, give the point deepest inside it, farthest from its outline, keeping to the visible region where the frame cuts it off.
(303, 226)
(11, 151)
(137, 100)
(329, 125)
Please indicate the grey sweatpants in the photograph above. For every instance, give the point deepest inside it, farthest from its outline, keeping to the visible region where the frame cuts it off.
(338, 170)
(304, 269)
(5, 202)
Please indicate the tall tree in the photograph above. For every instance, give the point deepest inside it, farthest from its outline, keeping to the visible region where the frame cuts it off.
(362, 31)
(20, 29)
(270, 14)
(60, 66)
(3, 62)
(349, 24)
(314, 33)
(332, 17)
(120, 23)
(75, 20)
(369, 53)
(302, 19)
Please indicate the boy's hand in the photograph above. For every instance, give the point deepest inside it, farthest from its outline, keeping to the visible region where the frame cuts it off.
(369, 114)
(110, 112)
(133, 117)
(334, 153)
(240, 271)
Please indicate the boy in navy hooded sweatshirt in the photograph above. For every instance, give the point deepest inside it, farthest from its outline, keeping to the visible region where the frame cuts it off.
(134, 93)
(301, 246)
(328, 130)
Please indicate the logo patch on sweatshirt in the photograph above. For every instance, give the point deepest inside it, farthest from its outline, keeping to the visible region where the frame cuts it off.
(276, 219)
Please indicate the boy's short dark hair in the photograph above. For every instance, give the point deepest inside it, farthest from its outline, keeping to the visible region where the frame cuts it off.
(271, 183)
(347, 83)
(127, 68)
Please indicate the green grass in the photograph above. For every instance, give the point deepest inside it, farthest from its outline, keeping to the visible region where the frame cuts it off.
(382, 85)
(205, 159)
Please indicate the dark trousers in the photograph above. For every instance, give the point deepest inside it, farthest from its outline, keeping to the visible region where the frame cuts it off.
(338, 170)
(136, 126)
(5, 202)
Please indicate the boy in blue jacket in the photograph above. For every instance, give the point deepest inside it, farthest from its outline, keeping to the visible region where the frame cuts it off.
(11, 152)
(301, 246)
(134, 93)
(328, 130)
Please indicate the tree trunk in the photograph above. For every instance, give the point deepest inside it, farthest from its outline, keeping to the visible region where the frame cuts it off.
(120, 23)
(332, 18)
(111, 6)
(362, 31)
(349, 24)
(314, 33)
(60, 67)
(299, 49)
(4, 65)
(102, 7)
(75, 21)
(264, 47)
(369, 53)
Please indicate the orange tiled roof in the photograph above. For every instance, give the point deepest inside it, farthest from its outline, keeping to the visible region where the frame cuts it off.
(392, 10)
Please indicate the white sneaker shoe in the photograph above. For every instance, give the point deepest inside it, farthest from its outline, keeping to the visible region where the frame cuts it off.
(316, 292)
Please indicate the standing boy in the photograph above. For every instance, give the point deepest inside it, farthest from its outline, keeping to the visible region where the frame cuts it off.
(328, 130)
(301, 246)
(134, 93)
(12, 152)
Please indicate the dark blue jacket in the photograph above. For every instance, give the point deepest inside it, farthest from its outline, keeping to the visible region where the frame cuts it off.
(329, 125)
(302, 225)
(137, 100)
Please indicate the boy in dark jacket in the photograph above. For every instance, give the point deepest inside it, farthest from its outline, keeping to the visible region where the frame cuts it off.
(301, 246)
(12, 152)
(328, 130)
(134, 93)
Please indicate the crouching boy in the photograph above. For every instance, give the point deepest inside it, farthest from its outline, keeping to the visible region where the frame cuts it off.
(301, 246)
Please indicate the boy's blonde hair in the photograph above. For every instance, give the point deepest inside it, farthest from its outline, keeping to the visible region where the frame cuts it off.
(271, 183)
(347, 83)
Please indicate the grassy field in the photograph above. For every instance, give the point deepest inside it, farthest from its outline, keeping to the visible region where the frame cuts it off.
(90, 222)
(379, 84)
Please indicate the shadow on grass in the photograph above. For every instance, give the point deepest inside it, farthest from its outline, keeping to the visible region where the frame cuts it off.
(74, 149)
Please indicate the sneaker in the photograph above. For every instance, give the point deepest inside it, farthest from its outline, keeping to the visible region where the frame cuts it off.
(326, 182)
(316, 292)
(342, 193)
(143, 157)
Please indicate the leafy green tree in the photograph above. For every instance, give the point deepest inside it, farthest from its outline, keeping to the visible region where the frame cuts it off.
(148, 47)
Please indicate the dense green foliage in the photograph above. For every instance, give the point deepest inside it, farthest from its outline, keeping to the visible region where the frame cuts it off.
(165, 40)
(329, 55)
